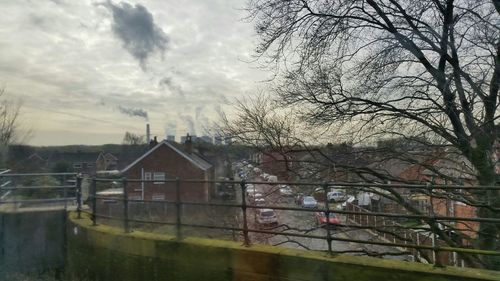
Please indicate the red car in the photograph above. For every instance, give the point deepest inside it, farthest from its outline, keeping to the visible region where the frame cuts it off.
(320, 219)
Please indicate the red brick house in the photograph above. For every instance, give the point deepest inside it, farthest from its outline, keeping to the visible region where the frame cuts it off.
(168, 160)
(456, 167)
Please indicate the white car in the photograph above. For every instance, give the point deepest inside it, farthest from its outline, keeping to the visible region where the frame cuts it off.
(272, 178)
(250, 188)
(260, 201)
(336, 196)
(266, 217)
(285, 190)
(251, 196)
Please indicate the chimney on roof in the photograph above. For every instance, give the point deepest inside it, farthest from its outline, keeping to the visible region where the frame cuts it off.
(188, 144)
(153, 143)
(148, 133)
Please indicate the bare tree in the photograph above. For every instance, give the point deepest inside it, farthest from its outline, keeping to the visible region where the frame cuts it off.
(9, 120)
(426, 71)
(260, 123)
(10, 125)
(133, 139)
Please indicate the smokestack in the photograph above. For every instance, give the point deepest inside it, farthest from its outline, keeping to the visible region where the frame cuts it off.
(148, 134)
(189, 144)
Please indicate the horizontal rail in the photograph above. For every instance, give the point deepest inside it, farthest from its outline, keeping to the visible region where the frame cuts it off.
(336, 185)
(38, 174)
(312, 210)
(38, 200)
(37, 187)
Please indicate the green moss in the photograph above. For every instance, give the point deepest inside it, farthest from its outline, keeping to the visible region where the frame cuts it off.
(106, 253)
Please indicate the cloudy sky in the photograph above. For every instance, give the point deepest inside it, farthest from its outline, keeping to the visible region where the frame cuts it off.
(88, 71)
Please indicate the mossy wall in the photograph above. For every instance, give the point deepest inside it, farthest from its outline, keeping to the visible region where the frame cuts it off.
(106, 253)
(32, 241)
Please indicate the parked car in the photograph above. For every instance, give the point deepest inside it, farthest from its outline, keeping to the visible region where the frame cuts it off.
(260, 201)
(321, 220)
(250, 189)
(272, 178)
(336, 196)
(319, 194)
(266, 217)
(285, 190)
(309, 202)
(254, 195)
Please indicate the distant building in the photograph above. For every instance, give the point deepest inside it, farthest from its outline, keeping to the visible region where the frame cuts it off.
(171, 137)
(81, 162)
(183, 139)
(206, 139)
(106, 162)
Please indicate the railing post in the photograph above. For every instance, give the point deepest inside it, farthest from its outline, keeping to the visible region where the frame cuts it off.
(94, 201)
(65, 192)
(178, 208)
(79, 196)
(327, 214)
(394, 232)
(384, 228)
(246, 240)
(125, 206)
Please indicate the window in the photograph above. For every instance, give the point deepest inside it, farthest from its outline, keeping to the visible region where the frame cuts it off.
(158, 176)
(147, 176)
(135, 197)
(158, 196)
(77, 165)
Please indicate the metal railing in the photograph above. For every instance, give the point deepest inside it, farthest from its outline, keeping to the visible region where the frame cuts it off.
(381, 225)
(35, 190)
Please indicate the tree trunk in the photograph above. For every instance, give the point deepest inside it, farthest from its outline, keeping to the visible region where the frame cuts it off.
(488, 235)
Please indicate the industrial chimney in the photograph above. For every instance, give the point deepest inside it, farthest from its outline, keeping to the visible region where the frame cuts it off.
(148, 134)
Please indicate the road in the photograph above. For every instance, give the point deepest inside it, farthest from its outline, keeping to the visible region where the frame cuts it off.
(304, 223)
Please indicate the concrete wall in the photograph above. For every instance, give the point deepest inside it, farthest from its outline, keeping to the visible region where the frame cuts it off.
(32, 241)
(106, 253)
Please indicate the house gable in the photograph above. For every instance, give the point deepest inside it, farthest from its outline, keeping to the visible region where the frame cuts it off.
(193, 159)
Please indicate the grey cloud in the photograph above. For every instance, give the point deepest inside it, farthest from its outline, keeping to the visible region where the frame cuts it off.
(139, 112)
(168, 83)
(135, 26)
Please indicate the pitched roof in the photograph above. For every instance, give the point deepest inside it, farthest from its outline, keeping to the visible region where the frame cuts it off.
(195, 159)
